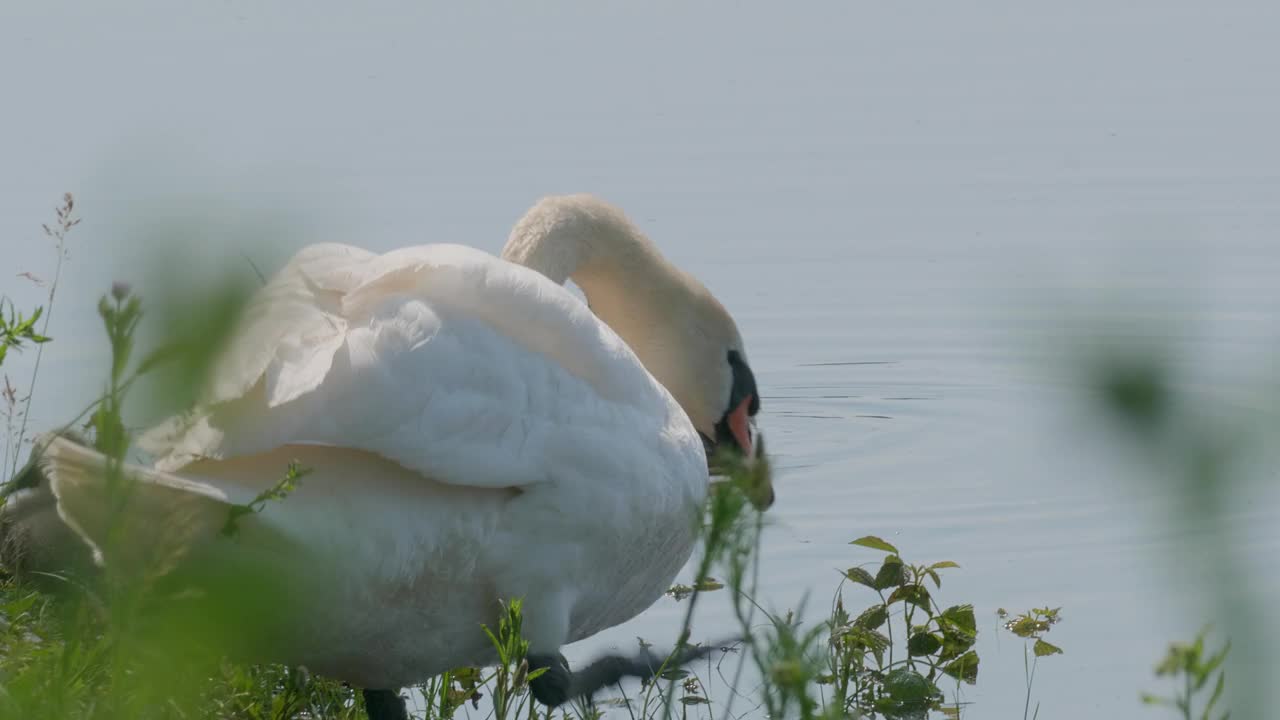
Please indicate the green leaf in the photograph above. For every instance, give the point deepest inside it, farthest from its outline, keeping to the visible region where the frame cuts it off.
(1206, 670)
(915, 594)
(159, 356)
(1217, 693)
(17, 608)
(860, 576)
(960, 618)
(1049, 615)
(1042, 648)
(873, 617)
(964, 667)
(955, 643)
(857, 638)
(943, 564)
(874, 543)
(1025, 626)
(923, 644)
(1175, 660)
(959, 631)
(908, 687)
(707, 584)
(892, 573)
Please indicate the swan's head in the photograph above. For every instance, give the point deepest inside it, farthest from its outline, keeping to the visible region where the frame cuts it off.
(675, 326)
(704, 365)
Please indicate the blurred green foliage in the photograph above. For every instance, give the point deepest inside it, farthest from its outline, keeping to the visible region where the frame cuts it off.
(1191, 669)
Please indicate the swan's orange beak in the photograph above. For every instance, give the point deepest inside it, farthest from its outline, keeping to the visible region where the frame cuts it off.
(738, 433)
(740, 426)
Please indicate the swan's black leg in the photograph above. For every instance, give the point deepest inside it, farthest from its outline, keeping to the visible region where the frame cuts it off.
(559, 684)
(385, 705)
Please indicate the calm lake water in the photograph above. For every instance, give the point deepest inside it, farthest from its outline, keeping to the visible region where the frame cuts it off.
(916, 214)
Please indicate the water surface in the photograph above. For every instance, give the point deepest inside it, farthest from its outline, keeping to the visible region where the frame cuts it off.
(894, 201)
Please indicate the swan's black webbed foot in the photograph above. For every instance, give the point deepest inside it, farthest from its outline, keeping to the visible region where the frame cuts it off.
(552, 687)
(385, 705)
(559, 684)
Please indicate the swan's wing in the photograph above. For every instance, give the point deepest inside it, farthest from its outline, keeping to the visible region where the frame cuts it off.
(441, 358)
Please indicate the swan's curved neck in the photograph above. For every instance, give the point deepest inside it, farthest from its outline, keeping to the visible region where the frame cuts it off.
(593, 244)
(678, 331)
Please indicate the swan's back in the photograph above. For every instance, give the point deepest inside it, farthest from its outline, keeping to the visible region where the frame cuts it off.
(442, 358)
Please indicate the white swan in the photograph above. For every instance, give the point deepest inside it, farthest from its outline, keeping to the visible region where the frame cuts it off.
(473, 433)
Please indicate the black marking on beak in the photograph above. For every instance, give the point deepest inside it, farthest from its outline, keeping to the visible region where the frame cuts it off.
(744, 384)
(743, 389)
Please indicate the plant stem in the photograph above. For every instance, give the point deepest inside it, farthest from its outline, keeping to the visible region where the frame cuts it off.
(65, 224)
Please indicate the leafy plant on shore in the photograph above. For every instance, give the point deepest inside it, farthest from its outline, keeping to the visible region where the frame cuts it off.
(875, 670)
(1032, 625)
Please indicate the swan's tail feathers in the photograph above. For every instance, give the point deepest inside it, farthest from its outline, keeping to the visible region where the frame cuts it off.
(133, 518)
(35, 543)
(193, 545)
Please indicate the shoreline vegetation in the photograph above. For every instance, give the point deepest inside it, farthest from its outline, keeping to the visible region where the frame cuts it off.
(131, 643)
